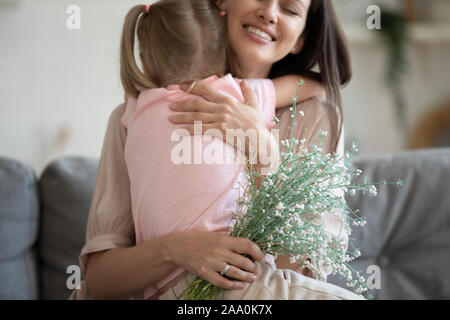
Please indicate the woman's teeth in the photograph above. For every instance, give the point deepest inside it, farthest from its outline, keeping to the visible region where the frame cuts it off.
(259, 33)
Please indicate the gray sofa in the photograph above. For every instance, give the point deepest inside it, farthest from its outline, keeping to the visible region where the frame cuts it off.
(407, 235)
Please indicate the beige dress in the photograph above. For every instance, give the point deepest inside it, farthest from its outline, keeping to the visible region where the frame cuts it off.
(110, 223)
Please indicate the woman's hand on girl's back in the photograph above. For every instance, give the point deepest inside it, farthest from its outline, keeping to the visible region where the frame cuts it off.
(218, 111)
(206, 253)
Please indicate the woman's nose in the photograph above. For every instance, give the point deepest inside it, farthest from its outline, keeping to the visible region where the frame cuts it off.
(268, 13)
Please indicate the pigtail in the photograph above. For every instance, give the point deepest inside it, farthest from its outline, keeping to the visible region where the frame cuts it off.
(133, 80)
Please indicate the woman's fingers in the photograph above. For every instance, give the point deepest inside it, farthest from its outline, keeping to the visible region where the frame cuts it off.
(245, 246)
(219, 281)
(238, 274)
(208, 93)
(206, 253)
(242, 263)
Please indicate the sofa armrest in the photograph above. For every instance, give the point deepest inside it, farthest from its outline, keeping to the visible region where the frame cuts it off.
(19, 214)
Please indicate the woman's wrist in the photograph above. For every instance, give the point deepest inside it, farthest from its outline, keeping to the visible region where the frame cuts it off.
(167, 243)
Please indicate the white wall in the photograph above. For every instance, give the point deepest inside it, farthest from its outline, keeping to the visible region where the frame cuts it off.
(369, 112)
(54, 78)
(368, 106)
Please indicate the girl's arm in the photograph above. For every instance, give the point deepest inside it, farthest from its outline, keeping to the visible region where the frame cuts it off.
(286, 87)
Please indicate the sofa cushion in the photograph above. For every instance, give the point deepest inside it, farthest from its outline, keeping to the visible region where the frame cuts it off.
(66, 187)
(19, 210)
(408, 228)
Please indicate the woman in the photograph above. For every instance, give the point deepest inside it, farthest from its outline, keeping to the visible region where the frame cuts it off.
(303, 33)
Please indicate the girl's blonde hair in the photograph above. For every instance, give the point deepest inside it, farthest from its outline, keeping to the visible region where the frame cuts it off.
(178, 41)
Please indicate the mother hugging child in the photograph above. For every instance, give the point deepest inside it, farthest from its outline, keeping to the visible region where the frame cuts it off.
(157, 222)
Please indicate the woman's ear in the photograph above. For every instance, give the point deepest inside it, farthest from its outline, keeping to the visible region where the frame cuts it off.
(299, 45)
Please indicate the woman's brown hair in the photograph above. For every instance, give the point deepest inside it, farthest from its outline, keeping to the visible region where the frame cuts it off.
(178, 41)
(325, 46)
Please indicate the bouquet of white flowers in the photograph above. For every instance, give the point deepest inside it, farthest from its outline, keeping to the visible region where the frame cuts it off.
(284, 215)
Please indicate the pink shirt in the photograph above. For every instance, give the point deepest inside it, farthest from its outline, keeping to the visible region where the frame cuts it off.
(167, 195)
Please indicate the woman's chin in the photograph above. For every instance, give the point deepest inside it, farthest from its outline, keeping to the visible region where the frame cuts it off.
(253, 56)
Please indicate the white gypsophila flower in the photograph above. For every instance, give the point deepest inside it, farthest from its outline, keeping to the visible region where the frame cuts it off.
(301, 113)
(354, 147)
(280, 206)
(373, 190)
(323, 133)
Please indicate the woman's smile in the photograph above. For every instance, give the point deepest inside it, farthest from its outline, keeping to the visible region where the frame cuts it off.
(264, 32)
(259, 34)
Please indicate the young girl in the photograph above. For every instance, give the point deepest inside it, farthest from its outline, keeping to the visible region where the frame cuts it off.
(168, 196)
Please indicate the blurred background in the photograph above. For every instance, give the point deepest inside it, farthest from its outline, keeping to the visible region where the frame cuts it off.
(60, 83)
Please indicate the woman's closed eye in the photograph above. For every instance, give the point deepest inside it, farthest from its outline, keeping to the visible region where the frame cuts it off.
(293, 7)
(292, 11)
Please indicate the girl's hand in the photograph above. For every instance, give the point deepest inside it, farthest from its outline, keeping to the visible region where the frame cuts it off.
(218, 111)
(206, 253)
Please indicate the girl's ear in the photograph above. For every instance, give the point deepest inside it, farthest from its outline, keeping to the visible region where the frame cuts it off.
(299, 45)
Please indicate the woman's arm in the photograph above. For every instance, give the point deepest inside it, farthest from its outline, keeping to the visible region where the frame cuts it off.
(286, 87)
(119, 273)
(122, 272)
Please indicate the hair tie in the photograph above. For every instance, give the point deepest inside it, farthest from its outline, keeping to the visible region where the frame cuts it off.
(147, 8)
